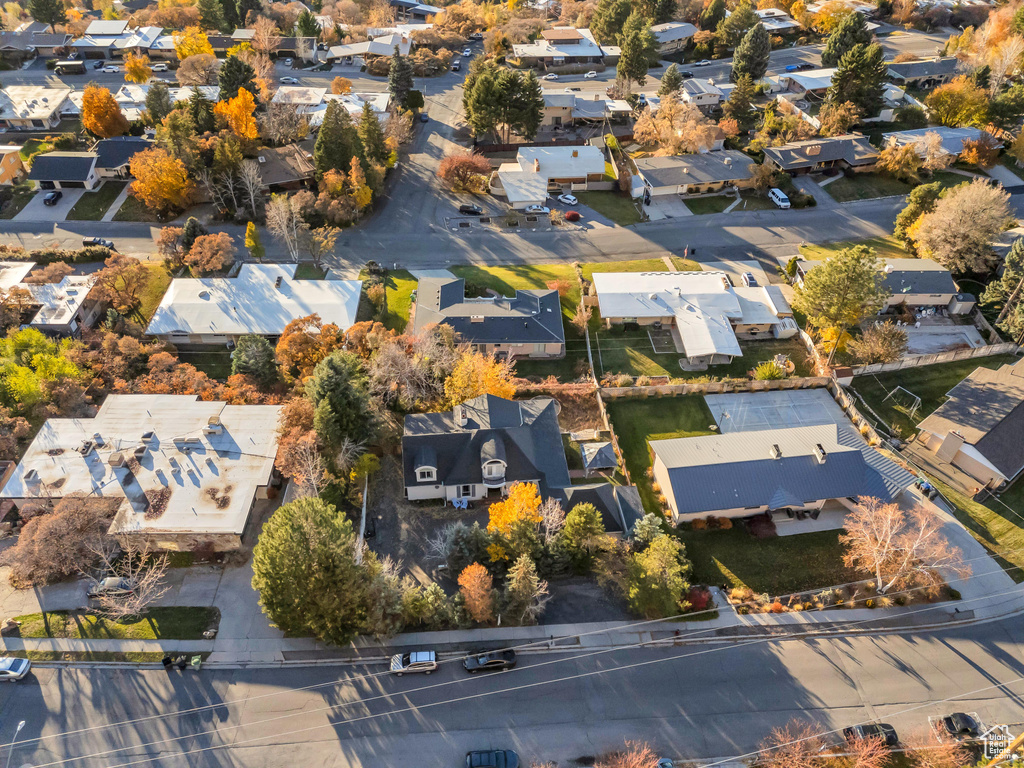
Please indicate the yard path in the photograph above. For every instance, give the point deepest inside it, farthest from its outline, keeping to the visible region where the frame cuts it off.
(116, 205)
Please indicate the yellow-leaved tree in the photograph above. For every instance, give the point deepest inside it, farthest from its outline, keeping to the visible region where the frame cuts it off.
(136, 68)
(161, 181)
(101, 114)
(479, 374)
(191, 41)
(513, 523)
(362, 194)
(238, 112)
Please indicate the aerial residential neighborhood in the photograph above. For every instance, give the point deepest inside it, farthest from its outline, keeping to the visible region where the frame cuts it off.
(648, 373)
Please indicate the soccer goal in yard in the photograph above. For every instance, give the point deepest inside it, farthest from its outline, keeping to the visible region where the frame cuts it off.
(904, 400)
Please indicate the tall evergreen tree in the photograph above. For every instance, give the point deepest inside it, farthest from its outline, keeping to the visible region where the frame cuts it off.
(339, 392)
(200, 109)
(254, 356)
(211, 15)
(399, 78)
(609, 19)
(306, 25)
(638, 47)
(739, 105)
(732, 29)
(48, 11)
(371, 135)
(158, 102)
(243, 8)
(671, 81)
(337, 142)
(859, 78)
(235, 74)
(529, 105)
(664, 11)
(229, 9)
(712, 15)
(852, 30)
(751, 55)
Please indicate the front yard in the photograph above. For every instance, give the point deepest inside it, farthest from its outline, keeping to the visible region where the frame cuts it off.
(998, 524)
(215, 363)
(866, 186)
(712, 204)
(613, 205)
(17, 199)
(887, 247)
(133, 210)
(93, 205)
(179, 623)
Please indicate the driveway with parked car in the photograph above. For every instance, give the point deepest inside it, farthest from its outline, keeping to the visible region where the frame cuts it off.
(38, 210)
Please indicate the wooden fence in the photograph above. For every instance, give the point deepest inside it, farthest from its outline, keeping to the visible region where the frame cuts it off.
(1006, 348)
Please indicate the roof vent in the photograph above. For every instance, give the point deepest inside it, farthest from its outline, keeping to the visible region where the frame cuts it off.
(116, 460)
(819, 453)
(887, 269)
(204, 294)
(262, 159)
(149, 436)
(277, 282)
(139, 450)
(87, 447)
(31, 476)
(776, 452)
(214, 427)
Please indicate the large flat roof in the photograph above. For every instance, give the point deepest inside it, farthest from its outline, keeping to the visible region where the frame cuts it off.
(211, 478)
(253, 302)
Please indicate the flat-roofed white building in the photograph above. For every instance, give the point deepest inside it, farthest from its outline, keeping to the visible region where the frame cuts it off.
(527, 181)
(187, 471)
(59, 309)
(703, 312)
(560, 46)
(27, 107)
(261, 300)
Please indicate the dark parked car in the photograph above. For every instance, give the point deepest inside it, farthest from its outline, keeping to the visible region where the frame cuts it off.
(424, 118)
(685, 73)
(491, 661)
(960, 726)
(495, 758)
(52, 197)
(806, 66)
(99, 64)
(89, 241)
(471, 210)
(882, 731)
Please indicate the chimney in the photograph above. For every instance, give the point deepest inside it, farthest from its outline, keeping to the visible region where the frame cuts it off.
(819, 453)
(776, 452)
(536, 165)
(277, 282)
(213, 426)
(575, 153)
(460, 415)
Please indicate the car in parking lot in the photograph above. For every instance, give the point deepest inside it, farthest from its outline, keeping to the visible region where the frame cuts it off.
(111, 69)
(590, 75)
(12, 669)
(492, 758)
(702, 63)
(418, 661)
(491, 661)
(537, 209)
(882, 731)
(550, 76)
(290, 80)
(959, 726)
(471, 210)
(112, 586)
(90, 241)
(568, 199)
(53, 197)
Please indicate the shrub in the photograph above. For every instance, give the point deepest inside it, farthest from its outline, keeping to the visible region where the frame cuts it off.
(643, 381)
(869, 603)
(700, 524)
(572, 216)
(698, 598)
(724, 523)
(742, 610)
(777, 607)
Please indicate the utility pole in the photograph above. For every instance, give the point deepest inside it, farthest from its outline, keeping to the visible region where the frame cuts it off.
(1007, 753)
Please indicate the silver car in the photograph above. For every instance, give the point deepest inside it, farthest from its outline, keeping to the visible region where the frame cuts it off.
(418, 661)
(12, 669)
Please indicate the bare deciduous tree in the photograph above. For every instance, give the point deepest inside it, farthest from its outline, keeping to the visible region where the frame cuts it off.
(959, 231)
(284, 220)
(552, 518)
(319, 242)
(251, 181)
(307, 465)
(51, 273)
(581, 318)
(1004, 60)
(637, 754)
(933, 156)
(264, 35)
(925, 753)
(677, 128)
(795, 745)
(200, 69)
(881, 343)
(281, 124)
(139, 567)
(897, 548)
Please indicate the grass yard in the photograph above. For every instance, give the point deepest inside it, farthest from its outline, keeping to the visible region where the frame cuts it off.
(998, 524)
(702, 205)
(20, 195)
(613, 205)
(156, 287)
(639, 265)
(32, 147)
(752, 201)
(566, 368)
(638, 421)
(887, 247)
(133, 210)
(685, 265)
(929, 382)
(216, 363)
(400, 285)
(865, 186)
(92, 205)
(179, 623)
(778, 565)
(307, 270)
(755, 352)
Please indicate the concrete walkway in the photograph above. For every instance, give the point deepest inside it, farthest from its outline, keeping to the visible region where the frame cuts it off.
(116, 205)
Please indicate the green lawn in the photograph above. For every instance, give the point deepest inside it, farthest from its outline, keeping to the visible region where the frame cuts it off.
(133, 210)
(929, 382)
(92, 205)
(887, 247)
(564, 369)
(998, 524)
(400, 285)
(32, 147)
(639, 265)
(180, 623)
(864, 186)
(613, 205)
(159, 279)
(778, 566)
(215, 363)
(702, 205)
(638, 421)
(307, 270)
(21, 194)
(685, 265)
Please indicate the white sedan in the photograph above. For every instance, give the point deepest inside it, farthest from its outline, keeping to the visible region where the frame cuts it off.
(290, 80)
(568, 199)
(591, 75)
(550, 76)
(537, 209)
(110, 69)
(12, 669)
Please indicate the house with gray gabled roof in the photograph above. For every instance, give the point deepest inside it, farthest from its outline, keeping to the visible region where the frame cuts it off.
(696, 173)
(925, 73)
(481, 447)
(740, 474)
(849, 151)
(528, 324)
(64, 170)
(980, 426)
(114, 155)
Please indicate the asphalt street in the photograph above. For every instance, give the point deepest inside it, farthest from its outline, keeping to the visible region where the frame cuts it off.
(689, 701)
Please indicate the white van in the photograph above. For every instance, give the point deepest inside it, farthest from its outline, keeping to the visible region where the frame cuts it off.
(778, 197)
(159, 68)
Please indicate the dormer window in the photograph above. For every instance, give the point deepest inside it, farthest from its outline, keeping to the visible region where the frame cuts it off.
(426, 474)
(494, 469)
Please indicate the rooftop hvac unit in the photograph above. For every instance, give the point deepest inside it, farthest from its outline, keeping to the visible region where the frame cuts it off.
(149, 436)
(776, 452)
(213, 426)
(116, 460)
(31, 476)
(87, 447)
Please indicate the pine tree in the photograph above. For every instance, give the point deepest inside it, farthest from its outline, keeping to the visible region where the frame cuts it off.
(739, 106)
(306, 25)
(671, 81)
(200, 109)
(158, 102)
(637, 49)
(254, 356)
(229, 10)
(337, 142)
(338, 391)
(751, 55)
(609, 19)
(664, 10)
(192, 230)
(525, 593)
(529, 105)
(732, 29)
(581, 535)
(48, 11)
(712, 15)
(211, 15)
(859, 78)
(244, 7)
(852, 30)
(371, 135)
(399, 78)
(235, 74)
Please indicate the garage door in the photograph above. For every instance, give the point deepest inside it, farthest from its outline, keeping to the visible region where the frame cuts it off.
(72, 185)
(47, 185)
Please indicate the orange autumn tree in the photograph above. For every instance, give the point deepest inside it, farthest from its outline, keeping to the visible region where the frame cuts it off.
(304, 342)
(161, 181)
(478, 374)
(136, 68)
(477, 588)
(238, 112)
(513, 522)
(101, 114)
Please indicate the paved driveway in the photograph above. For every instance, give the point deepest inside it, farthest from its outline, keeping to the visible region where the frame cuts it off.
(36, 210)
